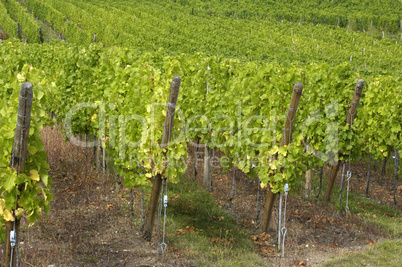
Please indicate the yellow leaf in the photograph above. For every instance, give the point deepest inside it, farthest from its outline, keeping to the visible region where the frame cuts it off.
(32, 150)
(93, 118)
(20, 77)
(148, 175)
(19, 212)
(2, 206)
(34, 175)
(8, 216)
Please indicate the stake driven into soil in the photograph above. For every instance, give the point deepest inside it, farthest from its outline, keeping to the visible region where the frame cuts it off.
(156, 188)
(20, 149)
(286, 138)
(349, 119)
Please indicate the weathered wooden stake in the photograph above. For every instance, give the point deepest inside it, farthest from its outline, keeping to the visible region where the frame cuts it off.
(368, 177)
(156, 189)
(195, 159)
(308, 184)
(232, 191)
(20, 149)
(349, 120)
(104, 158)
(384, 167)
(257, 216)
(286, 138)
(132, 202)
(320, 186)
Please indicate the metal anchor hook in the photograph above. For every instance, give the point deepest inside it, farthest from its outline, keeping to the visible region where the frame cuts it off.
(163, 248)
(284, 230)
(349, 175)
(286, 189)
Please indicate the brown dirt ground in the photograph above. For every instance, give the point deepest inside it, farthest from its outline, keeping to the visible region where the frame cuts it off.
(91, 221)
(315, 232)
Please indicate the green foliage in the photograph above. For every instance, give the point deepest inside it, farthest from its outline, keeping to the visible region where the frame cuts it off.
(233, 95)
(6, 23)
(382, 125)
(48, 14)
(30, 28)
(355, 14)
(33, 186)
(243, 113)
(147, 26)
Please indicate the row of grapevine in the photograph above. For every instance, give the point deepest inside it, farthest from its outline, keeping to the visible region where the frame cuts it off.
(382, 126)
(246, 40)
(238, 107)
(30, 29)
(7, 24)
(359, 15)
(29, 191)
(242, 114)
(110, 25)
(69, 29)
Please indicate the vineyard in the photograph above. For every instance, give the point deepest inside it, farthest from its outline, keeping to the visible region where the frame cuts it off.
(220, 132)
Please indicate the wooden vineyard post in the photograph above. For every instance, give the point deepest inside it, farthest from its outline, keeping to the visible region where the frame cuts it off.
(20, 150)
(286, 138)
(232, 191)
(307, 193)
(195, 159)
(368, 177)
(349, 120)
(156, 188)
(384, 167)
(320, 185)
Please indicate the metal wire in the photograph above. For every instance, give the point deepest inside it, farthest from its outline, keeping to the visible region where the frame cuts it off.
(164, 199)
(349, 172)
(14, 243)
(284, 230)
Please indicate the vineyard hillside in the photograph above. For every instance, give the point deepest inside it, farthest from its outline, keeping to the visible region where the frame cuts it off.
(200, 133)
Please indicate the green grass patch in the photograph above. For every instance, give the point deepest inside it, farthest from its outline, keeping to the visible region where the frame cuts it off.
(387, 253)
(204, 231)
(384, 216)
(47, 33)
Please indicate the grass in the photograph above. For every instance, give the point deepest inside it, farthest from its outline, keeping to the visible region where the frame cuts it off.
(383, 216)
(47, 33)
(206, 233)
(387, 253)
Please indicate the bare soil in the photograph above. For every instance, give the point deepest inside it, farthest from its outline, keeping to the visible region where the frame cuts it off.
(90, 221)
(315, 232)
(93, 222)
